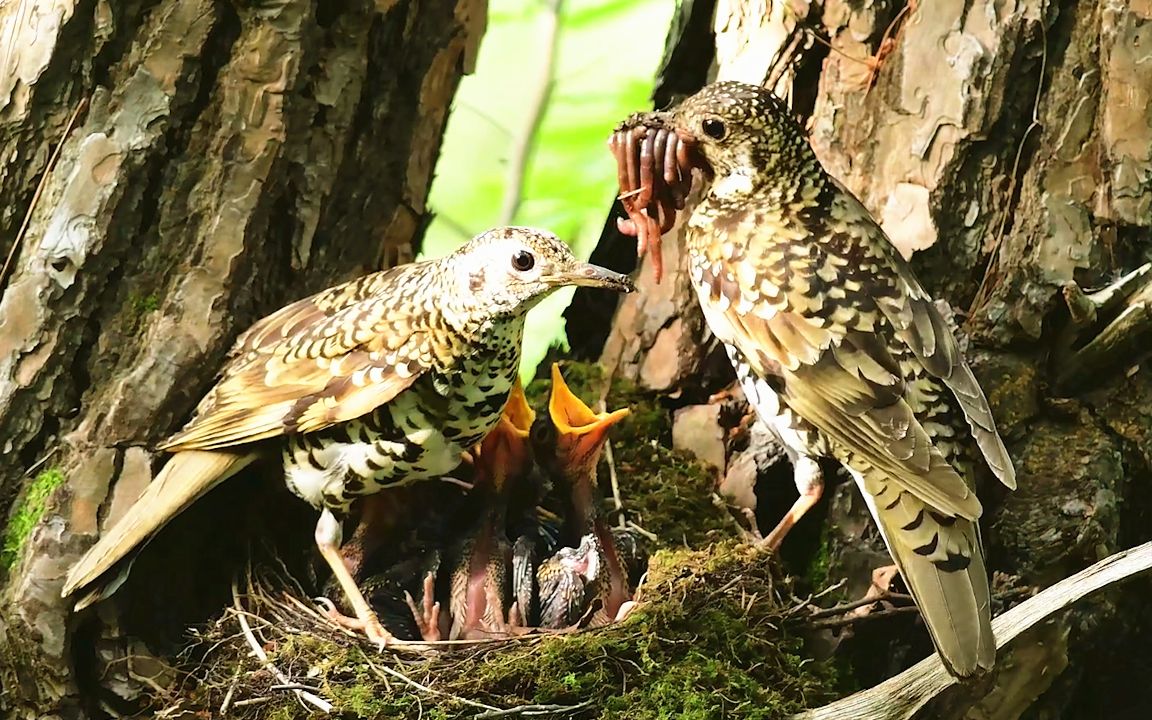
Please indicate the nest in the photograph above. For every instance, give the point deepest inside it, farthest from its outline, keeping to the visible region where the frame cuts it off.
(714, 635)
(718, 631)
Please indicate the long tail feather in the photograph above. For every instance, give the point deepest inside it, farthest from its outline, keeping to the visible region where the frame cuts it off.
(953, 597)
(185, 478)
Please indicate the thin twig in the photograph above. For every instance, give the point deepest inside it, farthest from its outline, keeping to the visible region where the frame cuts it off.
(40, 190)
(631, 525)
(835, 622)
(385, 670)
(303, 696)
(540, 93)
(617, 499)
(862, 602)
(783, 58)
(806, 602)
(532, 711)
(253, 701)
(987, 282)
(231, 691)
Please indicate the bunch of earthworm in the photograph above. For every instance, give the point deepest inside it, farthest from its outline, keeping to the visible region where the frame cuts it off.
(654, 170)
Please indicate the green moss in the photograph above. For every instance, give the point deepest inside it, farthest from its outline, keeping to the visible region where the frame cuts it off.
(666, 491)
(26, 514)
(820, 564)
(143, 304)
(710, 640)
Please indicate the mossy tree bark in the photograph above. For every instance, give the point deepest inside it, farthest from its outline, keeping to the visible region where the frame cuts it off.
(170, 171)
(1007, 149)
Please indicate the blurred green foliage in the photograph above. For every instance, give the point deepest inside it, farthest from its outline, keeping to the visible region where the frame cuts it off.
(607, 54)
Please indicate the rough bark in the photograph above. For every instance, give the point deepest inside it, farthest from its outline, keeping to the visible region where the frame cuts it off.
(1007, 149)
(215, 160)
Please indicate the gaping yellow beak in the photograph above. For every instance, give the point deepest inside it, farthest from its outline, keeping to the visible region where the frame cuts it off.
(505, 452)
(580, 433)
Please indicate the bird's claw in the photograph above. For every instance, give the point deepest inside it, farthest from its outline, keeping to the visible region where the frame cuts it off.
(332, 613)
(378, 636)
(427, 613)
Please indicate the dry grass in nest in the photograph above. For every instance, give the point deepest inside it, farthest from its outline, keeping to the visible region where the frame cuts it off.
(711, 638)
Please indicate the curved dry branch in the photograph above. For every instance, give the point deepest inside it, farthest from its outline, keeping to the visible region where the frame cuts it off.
(1125, 341)
(901, 697)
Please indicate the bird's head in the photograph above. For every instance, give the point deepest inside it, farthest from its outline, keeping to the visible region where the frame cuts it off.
(571, 443)
(508, 270)
(738, 133)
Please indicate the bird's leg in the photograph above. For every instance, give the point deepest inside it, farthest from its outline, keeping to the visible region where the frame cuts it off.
(752, 532)
(328, 537)
(810, 483)
(333, 614)
(878, 590)
(427, 614)
(882, 578)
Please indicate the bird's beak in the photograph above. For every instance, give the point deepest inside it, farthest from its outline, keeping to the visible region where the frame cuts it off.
(518, 412)
(580, 433)
(589, 275)
(505, 452)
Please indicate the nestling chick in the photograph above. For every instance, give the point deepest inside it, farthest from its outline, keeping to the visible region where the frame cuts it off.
(480, 595)
(569, 451)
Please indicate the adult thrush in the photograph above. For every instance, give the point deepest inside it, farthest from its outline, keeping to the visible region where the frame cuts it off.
(835, 342)
(380, 381)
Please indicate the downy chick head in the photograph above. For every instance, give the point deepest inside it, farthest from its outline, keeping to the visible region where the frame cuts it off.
(570, 444)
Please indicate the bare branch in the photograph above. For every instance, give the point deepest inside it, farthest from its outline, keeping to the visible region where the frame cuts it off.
(902, 696)
(540, 92)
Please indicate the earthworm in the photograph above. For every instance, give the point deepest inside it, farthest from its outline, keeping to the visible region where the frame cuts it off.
(654, 172)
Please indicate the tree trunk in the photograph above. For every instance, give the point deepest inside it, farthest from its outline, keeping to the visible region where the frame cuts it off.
(1007, 149)
(170, 171)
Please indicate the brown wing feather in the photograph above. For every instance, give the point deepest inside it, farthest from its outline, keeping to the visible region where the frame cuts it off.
(848, 385)
(918, 323)
(320, 361)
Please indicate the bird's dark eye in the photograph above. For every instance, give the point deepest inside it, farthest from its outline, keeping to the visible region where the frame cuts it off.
(714, 128)
(522, 260)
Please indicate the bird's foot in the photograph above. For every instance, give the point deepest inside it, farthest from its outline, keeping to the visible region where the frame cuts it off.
(370, 626)
(882, 578)
(515, 617)
(330, 611)
(878, 591)
(378, 636)
(750, 534)
(427, 613)
(493, 626)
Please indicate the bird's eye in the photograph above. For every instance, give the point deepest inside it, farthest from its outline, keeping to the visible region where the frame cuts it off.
(714, 128)
(522, 261)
